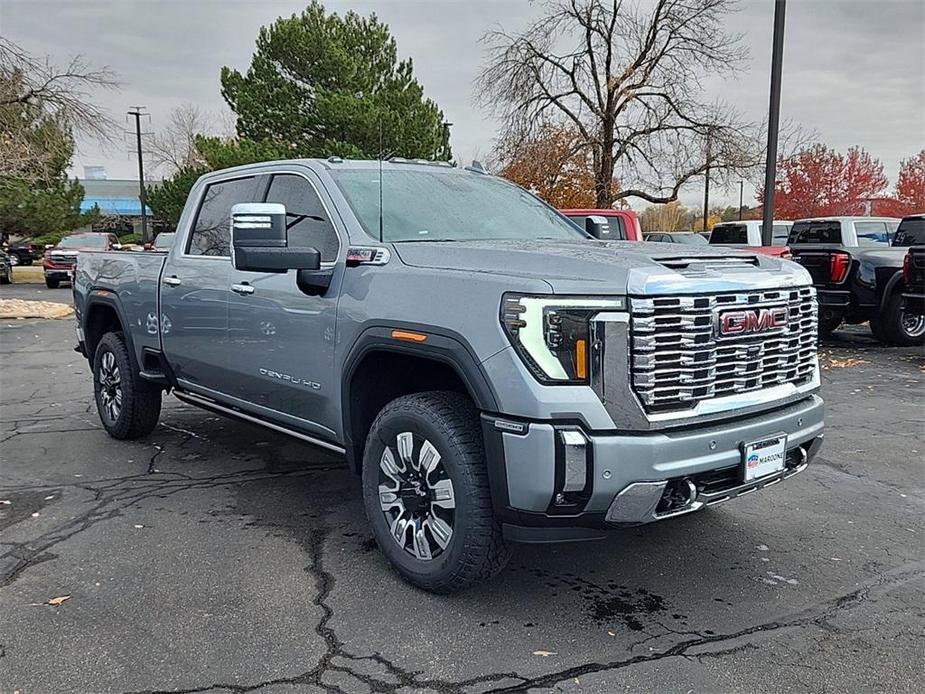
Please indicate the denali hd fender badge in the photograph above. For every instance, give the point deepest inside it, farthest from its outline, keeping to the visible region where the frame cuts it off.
(749, 321)
(294, 380)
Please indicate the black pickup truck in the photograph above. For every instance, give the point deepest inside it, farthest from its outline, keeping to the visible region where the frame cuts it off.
(857, 268)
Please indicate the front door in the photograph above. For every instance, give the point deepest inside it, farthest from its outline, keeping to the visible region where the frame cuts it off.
(194, 289)
(281, 337)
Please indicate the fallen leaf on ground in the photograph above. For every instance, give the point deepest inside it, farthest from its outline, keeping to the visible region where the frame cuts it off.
(846, 363)
(544, 654)
(57, 601)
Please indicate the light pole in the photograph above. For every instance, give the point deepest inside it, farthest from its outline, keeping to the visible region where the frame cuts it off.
(741, 198)
(770, 171)
(706, 184)
(137, 112)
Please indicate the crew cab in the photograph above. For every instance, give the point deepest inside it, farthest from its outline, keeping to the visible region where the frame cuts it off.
(609, 224)
(61, 259)
(747, 234)
(858, 274)
(493, 378)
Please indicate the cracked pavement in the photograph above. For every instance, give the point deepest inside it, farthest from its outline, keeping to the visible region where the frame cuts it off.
(215, 556)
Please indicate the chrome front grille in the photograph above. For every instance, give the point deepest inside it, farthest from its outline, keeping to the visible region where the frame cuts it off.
(678, 358)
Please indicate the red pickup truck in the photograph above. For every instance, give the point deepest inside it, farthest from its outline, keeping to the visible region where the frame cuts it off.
(622, 225)
(61, 260)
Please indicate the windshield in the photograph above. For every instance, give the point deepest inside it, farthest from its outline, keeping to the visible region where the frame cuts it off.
(729, 233)
(911, 232)
(83, 241)
(447, 205)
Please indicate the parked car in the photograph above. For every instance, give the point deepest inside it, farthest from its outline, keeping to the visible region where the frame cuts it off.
(493, 377)
(61, 259)
(857, 274)
(747, 233)
(619, 225)
(686, 237)
(911, 234)
(20, 253)
(6, 270)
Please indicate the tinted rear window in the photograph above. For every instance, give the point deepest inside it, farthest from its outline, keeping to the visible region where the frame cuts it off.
(815, 232)
(911, 232)
(729, 233)
(617, 229)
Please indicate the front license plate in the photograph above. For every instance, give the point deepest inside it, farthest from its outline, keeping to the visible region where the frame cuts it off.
(764, 457)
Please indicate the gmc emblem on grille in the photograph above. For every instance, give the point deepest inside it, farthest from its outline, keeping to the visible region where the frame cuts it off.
(750, 321)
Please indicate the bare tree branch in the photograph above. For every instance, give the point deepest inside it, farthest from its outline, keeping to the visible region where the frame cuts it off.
(627, 79)
(43, 107)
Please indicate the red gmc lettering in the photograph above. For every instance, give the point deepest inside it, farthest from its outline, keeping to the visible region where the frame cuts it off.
(753, 321)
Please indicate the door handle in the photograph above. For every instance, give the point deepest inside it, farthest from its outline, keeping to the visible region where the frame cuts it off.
(242, 289)
(172, 281)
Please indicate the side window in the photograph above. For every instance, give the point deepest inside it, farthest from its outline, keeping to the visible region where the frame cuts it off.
(212, 231)
(871, 233)
(779, 234)
(306, 220)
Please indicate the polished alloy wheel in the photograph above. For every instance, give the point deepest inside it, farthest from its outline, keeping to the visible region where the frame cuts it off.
(110, 386)
(416, 495)
(913, 323)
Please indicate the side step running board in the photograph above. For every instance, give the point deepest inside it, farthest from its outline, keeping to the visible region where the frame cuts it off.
(205, 403)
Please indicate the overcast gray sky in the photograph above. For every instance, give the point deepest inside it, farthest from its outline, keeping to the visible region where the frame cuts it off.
(853, 69)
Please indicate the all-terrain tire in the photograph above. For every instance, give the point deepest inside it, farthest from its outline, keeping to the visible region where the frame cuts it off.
(7, 278)
(52, 284)
(138, 405)
(900, 326)
(476, 550)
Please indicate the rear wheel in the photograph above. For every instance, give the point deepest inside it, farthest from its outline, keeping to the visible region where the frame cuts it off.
(7, 278)
(128, 406)
(52, 284)
(425, 488)
(902, 325)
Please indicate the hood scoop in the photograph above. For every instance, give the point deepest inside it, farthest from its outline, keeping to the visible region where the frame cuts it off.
(702, 265)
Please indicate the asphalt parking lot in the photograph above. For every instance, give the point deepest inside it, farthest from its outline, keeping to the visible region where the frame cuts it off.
(215, 556)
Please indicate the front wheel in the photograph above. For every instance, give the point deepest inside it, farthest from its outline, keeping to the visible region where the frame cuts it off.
(425, 488)
(52, 284)
(128, 406)
(901, 324)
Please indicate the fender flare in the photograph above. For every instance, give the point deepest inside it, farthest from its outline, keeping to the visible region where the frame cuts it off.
(442, 345)
(894, 281)
(106, 297)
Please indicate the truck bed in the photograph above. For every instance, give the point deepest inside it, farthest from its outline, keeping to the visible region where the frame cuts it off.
(134, 278)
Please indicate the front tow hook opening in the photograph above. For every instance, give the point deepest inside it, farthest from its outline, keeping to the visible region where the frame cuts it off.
(679, 495)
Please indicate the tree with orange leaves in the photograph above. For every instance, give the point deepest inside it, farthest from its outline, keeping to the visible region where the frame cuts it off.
(819, 181)
(554, 163)
(910, 186)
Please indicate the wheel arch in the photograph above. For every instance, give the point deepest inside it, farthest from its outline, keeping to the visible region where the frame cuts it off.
(895, 283)
(380, 368)
(102, 314)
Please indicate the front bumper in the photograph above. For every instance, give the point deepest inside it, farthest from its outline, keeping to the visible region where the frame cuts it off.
(58, 272)
(628, 473)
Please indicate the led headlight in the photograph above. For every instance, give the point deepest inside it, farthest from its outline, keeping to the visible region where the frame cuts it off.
(551, 333)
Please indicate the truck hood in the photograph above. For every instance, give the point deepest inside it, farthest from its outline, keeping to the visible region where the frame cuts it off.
(589, 266)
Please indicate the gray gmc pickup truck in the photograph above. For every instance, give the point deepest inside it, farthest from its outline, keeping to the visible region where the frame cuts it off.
(494, 373)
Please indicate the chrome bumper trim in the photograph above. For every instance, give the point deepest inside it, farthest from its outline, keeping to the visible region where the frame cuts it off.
(636, 503)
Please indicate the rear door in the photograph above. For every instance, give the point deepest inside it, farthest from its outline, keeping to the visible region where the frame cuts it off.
(194, 288)
(280, 335)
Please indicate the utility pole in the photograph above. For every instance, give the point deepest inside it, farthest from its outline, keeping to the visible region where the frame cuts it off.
(706, 183)
(137, 112)
(741, 198)
(770, 171)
